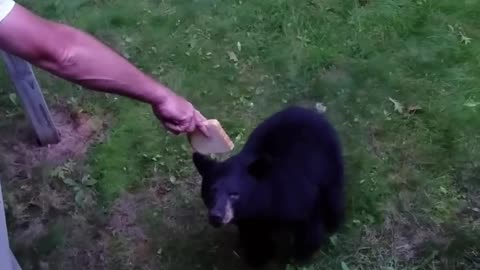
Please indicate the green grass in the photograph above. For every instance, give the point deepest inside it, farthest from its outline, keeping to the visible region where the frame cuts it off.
(413, 176)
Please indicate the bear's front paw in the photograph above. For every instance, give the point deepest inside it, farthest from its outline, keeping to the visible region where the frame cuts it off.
(303, 255)
(257, 260)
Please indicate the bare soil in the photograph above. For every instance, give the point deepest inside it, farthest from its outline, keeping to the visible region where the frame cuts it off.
(38, 207)
(21, 154)
(45, 224)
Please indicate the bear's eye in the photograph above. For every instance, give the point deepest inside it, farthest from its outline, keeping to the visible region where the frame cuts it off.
(234, 195)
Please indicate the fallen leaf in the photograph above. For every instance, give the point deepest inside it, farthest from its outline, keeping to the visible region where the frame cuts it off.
(232, 56)
(239, 46)
(333, 240)
(397, 106)
(471, 104)
(320, 107)
(89, 181)
(344, 266)
(13, 98)
(69, 181)
(452, 29)
(80, 197)
(464, 39)
(443, 190)
(414, 109)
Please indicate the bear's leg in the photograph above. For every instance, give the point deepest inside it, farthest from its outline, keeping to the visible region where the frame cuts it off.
(257, 244)
(334, 207)
(307, 240)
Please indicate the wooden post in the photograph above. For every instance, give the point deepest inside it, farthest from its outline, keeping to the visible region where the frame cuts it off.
(31, 97)
(35, 107)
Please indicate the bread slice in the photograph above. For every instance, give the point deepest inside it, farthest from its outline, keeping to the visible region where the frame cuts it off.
(217, 142)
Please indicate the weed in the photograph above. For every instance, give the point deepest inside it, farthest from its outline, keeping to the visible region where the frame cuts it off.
(81, 185)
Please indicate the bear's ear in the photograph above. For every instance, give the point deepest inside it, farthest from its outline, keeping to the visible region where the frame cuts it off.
(260, 166)
(203, 163)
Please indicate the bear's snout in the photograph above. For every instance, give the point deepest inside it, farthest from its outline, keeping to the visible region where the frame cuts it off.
(215, 219)
(221, 213)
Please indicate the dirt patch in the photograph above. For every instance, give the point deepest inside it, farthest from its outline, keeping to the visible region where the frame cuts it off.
(335, 77)
(401, 238)
(409, 242)
(125, 220)
(44, 222)
(417, 240)
(49, 229)
(124, 224)
(75, 238)
(83, 245)
(78, 130)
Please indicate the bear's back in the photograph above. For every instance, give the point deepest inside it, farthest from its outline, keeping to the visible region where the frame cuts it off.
(306, 157)
(292, 131)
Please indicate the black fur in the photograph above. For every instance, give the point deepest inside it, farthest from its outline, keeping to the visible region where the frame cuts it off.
(289, 176)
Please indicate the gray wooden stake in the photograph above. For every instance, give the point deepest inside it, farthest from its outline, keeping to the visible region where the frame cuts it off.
(31, 97)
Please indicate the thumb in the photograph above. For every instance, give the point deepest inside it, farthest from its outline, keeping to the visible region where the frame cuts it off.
(200, 121)
(173, 128)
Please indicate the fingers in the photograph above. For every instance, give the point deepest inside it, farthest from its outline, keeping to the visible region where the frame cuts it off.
(189, 128)
(200, 123)
(204, 130)
(191, 125)
(200, 117)
(187, 125)
(173, 128)
(181, 119)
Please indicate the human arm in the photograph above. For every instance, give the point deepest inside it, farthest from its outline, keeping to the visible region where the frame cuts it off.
(80, 58)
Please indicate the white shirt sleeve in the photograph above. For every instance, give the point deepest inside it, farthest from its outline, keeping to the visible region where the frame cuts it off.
(5, 7)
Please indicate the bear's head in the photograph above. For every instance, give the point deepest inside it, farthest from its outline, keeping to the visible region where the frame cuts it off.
(229, 187)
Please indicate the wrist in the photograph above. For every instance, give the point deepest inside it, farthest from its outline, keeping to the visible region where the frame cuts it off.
(158, 94)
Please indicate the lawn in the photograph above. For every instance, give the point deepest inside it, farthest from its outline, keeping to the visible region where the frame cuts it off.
(399, 80)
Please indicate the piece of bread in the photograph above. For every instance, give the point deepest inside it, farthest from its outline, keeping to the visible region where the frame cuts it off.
(217, 142)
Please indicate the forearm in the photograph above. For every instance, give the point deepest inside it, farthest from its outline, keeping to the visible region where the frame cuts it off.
(76, 56)
(88, 62)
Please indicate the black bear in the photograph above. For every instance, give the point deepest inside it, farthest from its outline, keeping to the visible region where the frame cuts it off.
(289, 176)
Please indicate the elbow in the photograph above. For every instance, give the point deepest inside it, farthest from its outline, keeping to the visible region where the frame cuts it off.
(59, 56)
(64, 61)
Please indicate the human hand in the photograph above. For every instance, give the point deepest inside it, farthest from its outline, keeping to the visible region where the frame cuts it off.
(179, 116)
